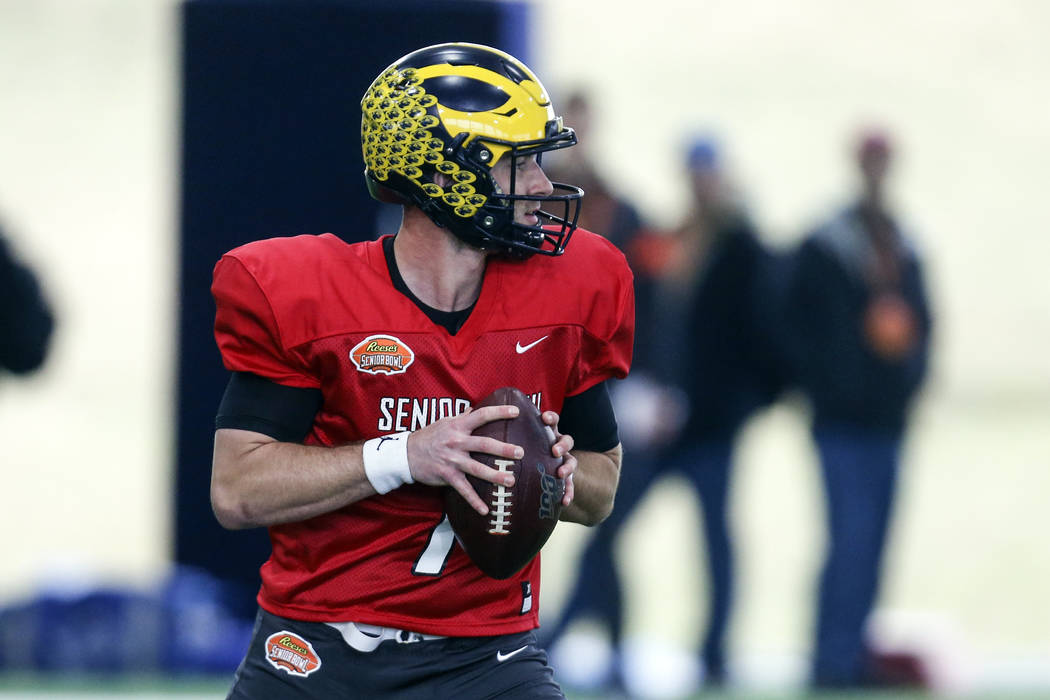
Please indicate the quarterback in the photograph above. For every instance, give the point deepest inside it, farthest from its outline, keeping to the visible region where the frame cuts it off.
(354, 368)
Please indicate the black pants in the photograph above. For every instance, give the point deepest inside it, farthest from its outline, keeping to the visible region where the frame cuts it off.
(289, 659)
(707, 467)
(860, 480)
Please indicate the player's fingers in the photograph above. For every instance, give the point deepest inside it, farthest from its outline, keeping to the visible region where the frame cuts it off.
(566, 472)
(481, 471)
(464, 489)
(492, 446)
(563, 446)
(550, 418)
(487, 414)
(567, 468)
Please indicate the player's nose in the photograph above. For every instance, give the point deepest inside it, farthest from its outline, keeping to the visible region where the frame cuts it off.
(538, 182)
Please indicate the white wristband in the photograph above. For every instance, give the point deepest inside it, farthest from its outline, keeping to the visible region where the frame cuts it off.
(386, 461)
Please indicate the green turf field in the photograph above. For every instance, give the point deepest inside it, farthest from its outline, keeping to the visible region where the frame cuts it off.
(210, 688)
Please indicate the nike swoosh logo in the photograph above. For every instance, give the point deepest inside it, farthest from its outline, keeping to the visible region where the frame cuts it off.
(525, 348)
(501, 657)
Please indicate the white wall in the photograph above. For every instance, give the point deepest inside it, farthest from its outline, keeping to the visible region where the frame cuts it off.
(87, 193)
(87, 184)
(964, 86)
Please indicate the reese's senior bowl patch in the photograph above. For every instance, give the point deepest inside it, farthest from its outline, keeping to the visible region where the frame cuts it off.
(289, 652)
(382, 354)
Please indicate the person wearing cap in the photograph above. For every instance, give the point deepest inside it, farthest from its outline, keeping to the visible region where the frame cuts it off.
(859, 330)
(705, 361)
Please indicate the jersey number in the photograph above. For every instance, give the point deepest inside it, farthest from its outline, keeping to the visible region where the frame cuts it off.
(439, 545)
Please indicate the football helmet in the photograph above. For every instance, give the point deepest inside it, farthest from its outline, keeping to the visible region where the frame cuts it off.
(456, 110)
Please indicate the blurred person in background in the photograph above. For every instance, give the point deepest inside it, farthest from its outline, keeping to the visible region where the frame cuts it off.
(26, 319)
(705, 361)
(859, 322)
(607, 212)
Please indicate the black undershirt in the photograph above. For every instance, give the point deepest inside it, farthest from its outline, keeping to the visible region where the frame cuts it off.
(451, 321)
(287, 413)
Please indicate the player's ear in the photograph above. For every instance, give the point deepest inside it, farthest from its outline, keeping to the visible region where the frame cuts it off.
(442, 180)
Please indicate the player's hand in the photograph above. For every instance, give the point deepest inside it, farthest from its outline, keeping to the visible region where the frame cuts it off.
(439, 454)
(562, 448)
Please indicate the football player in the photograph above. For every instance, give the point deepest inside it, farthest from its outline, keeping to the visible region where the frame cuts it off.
(354, 367)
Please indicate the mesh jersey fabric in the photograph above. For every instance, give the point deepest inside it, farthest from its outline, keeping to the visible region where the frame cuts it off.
(306, 311)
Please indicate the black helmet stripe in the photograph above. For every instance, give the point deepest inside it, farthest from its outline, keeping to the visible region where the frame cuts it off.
(462, 55)
(465, 94)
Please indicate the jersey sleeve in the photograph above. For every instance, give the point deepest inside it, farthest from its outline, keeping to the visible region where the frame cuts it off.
(247, 330)
(608, 333)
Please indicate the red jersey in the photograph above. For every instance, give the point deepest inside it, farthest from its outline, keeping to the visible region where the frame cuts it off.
(316, 312)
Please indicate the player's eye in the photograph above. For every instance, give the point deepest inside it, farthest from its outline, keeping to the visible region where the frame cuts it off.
(523, 162)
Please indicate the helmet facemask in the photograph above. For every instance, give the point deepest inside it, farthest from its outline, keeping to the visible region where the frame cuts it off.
(496, 227)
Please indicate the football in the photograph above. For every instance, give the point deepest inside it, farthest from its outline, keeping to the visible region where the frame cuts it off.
(523, 516)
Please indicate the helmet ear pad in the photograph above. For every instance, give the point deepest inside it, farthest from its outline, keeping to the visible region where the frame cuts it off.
(493, 215)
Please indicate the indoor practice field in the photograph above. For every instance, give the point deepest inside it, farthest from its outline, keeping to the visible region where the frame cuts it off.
(89, 194)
